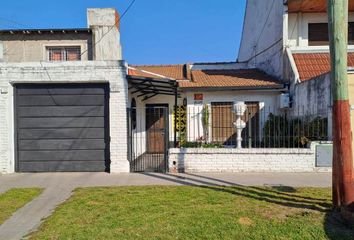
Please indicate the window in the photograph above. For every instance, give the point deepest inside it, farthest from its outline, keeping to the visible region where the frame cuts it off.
(64, 53)
(222, 124)
(318, 34)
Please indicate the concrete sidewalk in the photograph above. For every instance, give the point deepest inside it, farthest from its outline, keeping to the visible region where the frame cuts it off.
(59, 186)
(73, 180)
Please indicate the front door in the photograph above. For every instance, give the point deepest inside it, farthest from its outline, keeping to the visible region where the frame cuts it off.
(156, 127)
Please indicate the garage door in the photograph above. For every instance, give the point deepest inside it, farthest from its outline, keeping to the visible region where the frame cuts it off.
(62, 127)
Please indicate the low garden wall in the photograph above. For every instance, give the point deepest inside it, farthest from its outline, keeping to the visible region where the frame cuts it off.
(244, 160)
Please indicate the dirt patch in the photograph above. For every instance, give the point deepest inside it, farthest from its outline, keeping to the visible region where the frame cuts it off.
(245, 221)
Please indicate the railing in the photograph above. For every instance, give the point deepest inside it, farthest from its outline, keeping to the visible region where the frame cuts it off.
(212, 126)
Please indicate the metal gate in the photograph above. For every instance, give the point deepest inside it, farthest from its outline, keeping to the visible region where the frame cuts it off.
(148, 138)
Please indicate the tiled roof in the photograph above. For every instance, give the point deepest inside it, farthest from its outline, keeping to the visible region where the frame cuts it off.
(169, 71)
(229, 78)
(311, 65)
(242, 78)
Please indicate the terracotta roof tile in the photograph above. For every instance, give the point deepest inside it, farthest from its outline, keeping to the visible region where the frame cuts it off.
(311, 65)
(242, 78)
(169, 71)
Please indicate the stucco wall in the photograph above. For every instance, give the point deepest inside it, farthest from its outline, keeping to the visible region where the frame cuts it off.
(268, 103)
(312, 96)
(244, 160)
(298, 27)
(104, 23)
(112, 72)
(263, 28)
(101, 42)
(32, 47)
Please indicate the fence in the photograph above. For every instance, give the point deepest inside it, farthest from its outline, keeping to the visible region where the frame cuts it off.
(212, 126)
(148, 136)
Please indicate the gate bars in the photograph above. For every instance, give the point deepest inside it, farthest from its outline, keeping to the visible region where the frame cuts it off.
(148, 138)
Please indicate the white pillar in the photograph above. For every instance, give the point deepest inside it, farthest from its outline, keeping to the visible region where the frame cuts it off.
(239, 109)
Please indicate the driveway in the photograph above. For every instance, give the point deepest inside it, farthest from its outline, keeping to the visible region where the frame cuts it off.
(59, 186)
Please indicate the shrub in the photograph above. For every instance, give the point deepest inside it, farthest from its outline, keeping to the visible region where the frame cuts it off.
(280, 131)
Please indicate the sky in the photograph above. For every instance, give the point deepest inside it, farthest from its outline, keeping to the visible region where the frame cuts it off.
(152, 32)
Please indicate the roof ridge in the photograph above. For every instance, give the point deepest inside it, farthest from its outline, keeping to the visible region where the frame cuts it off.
(228, 70)
(159, 65)
(212, 63)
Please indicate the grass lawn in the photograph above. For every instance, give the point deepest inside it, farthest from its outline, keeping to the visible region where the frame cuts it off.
(164, 212)
(14, 199)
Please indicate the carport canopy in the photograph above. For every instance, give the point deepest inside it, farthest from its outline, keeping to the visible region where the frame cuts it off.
(147, 88)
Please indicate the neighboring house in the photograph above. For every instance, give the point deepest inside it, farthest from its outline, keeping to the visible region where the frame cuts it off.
(289, 40)
(63, 98)
(199, 88)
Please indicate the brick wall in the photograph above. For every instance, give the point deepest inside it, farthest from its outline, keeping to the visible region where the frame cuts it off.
(112, 72)
(244, 160)
(4, 133)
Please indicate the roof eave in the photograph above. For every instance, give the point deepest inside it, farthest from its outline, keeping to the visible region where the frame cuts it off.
(45, 31)
(231, 88)
(150, 78)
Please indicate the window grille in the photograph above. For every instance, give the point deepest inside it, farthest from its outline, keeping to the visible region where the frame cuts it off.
(64, 53)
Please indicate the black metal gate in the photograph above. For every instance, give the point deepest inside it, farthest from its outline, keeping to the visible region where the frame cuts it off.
(148, 138)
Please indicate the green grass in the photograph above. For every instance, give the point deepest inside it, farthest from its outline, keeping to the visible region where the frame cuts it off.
(163, 212)
(14, 199)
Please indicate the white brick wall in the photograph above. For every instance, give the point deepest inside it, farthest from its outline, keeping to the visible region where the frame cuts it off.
(244, 160)
(4, 155)
(112, 72)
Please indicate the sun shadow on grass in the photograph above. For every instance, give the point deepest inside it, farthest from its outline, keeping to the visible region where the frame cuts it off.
(335, 228)
(279, 189)
(284, 196)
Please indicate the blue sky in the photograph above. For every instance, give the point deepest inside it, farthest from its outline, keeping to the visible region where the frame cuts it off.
(152, 32)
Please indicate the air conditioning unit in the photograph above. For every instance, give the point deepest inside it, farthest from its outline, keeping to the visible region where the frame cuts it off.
(284, 100)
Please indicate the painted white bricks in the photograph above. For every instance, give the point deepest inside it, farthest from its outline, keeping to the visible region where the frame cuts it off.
(244, 160)
(3, 131)
(112, 72)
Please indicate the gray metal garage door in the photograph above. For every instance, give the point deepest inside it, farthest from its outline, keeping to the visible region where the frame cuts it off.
(62, 127)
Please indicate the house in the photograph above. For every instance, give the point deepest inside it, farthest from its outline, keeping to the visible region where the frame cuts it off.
(63, 98)
(199, 87)
(292, 44)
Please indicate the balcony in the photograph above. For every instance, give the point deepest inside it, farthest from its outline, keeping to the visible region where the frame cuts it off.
(312, 6)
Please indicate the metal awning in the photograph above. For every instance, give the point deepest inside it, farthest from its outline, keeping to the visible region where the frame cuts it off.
(147, 88)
